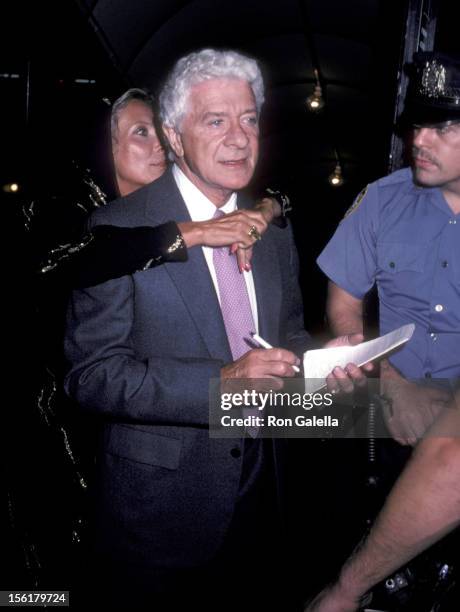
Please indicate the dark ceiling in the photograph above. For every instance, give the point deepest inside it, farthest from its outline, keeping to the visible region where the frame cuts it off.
(343, 40)
(354, 44)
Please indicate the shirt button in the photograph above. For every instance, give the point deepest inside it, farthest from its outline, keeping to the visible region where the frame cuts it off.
(444, 264)
(235, 453)
(439, 307)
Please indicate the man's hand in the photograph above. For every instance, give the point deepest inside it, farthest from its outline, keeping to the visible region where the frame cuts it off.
(345, 379)
(333, 599)
(411, 409)
(272, 363)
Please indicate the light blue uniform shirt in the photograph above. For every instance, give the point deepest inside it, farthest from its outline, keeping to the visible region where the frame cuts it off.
(407, 240)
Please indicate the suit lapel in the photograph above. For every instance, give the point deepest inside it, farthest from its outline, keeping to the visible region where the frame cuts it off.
(194, 284)
(192, 279)
(267, 282)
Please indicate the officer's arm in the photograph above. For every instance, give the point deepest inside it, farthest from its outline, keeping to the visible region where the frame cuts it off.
(422, 507)
(344, 311)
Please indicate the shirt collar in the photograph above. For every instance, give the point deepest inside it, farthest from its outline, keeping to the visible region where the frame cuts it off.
(199, 206)
(438, 199)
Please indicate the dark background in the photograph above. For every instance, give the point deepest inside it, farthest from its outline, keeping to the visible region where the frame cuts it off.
(59, 59)
(49, 48)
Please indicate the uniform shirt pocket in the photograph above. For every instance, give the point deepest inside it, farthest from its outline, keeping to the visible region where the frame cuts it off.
(395, 257)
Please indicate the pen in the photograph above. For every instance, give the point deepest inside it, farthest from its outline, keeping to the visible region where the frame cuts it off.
(264, 344)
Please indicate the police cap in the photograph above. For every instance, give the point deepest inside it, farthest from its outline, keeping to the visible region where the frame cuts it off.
(434, 95)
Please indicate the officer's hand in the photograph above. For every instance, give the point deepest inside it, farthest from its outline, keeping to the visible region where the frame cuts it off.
(410, 409)
(345, 379)
(333, 599)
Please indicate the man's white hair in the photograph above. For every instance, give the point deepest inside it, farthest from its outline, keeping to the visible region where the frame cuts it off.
(202, 66)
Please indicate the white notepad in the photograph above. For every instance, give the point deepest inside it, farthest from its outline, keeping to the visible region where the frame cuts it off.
(317, 364)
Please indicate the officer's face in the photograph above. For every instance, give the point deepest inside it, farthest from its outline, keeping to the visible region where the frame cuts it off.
(436, 153)
(217, 144)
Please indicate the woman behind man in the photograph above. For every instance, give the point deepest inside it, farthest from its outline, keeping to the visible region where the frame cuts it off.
(138, 158)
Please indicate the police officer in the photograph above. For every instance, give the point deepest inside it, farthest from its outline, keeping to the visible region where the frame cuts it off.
(403, 233)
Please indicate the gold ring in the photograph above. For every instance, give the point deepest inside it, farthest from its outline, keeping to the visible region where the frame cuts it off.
(253, 232)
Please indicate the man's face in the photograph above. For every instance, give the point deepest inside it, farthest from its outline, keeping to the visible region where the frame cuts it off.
(218, 142)
(436, 152)
(137, 152)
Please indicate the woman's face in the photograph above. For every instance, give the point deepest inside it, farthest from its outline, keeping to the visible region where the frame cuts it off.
(137, 152)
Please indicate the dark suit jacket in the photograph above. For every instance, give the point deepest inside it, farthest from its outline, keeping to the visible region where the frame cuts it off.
(142, 350)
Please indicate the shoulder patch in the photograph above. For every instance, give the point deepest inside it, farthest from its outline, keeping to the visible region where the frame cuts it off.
(357, 202)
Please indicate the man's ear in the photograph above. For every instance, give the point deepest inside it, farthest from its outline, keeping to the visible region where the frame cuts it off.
(175, 140)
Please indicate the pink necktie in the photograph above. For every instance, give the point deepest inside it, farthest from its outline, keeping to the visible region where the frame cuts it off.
(234, 299)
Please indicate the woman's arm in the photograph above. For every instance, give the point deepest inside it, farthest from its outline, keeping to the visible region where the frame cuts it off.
(111, 252)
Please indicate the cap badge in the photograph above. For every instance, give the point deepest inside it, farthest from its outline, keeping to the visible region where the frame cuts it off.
(433, 80)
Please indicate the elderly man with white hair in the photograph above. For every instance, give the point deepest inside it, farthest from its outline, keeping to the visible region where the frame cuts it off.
(174, 506)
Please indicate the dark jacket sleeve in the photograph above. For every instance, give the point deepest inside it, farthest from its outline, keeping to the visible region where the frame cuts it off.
(295, 336)
(109, 252)
(108, 376)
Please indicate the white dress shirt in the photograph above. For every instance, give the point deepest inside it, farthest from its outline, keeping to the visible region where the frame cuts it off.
(202, 209)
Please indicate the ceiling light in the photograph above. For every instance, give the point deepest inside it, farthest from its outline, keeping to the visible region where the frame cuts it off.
(11, 188)
(315, 102)
(336, 178)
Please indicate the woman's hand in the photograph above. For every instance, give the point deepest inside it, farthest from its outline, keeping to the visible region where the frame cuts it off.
(238, 230)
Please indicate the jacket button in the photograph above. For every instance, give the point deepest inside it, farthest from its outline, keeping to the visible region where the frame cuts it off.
(235, 452)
